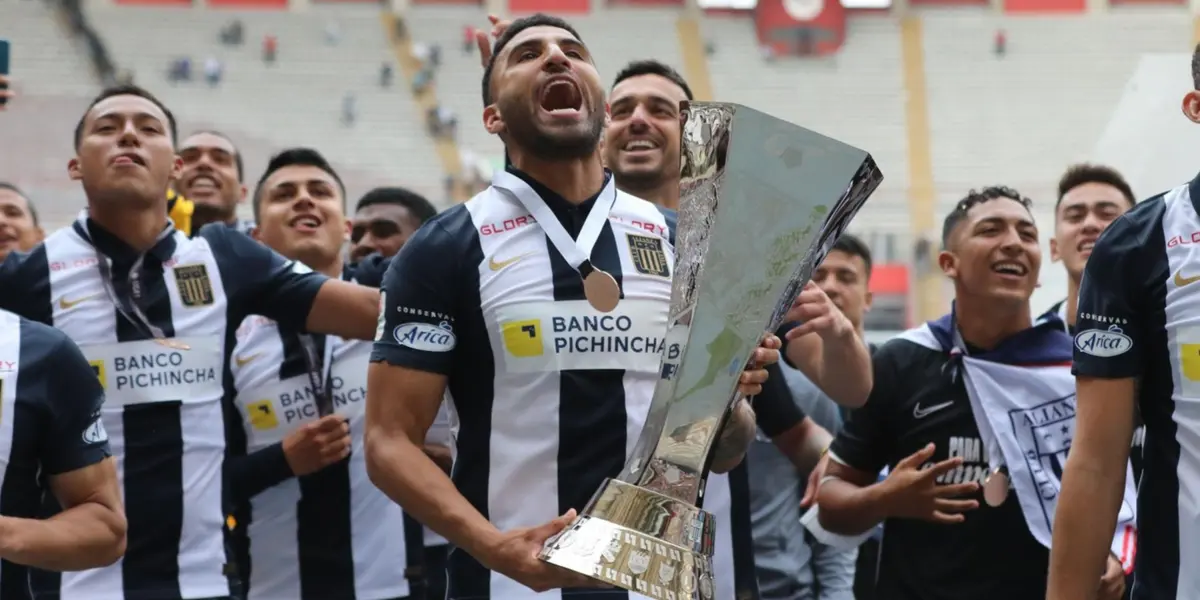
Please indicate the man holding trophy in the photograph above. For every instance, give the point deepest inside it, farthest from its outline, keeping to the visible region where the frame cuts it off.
(541, 305)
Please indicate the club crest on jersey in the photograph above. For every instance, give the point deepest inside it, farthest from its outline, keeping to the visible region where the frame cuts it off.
(648, 255)
(425, 337)
(1103, 343)
(195, 289)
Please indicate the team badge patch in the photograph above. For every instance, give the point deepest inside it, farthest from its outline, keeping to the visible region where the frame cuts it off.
(195, 289)
(648, 255)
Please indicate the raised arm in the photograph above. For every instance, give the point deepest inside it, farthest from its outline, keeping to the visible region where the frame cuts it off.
(260, 281)
(825, 347)
(1107, 363)
(89, 532)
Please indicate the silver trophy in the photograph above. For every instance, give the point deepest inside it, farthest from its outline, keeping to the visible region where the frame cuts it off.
(761, 203)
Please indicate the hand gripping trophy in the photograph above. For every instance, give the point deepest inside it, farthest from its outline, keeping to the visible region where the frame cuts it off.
(761, 203)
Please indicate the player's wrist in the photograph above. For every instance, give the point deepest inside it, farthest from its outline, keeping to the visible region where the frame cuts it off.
(487, 545)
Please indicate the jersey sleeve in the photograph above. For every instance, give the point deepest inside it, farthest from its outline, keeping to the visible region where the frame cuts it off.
(419, 303)
(25, 279)
(76, 437)
(371, 270)
(1111, 324)
(260, 281)
(865, 441)
(774, 407)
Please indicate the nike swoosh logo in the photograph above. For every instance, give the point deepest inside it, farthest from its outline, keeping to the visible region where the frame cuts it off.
(243, 361)
(1181, 281)
(496, 266)
(921, 413)
(65, 304)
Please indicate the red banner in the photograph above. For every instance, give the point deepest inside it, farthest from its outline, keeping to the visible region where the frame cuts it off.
(646, 2)
(950, 2)
(183, 3)
(802, 27)
(1144, 2)
(552, 7)
(280, 4)
(1045, 6)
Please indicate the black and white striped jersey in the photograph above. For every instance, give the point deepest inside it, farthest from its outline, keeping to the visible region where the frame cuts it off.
(327, 535)
(163, 411)
(49, 423)
(1139, 317)
(548, 394)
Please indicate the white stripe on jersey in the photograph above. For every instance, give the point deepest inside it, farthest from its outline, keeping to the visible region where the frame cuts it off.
(10, 359)
(1183, 335)
(139, 373)
(271, 409)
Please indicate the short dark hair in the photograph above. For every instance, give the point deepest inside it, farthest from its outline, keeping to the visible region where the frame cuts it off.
(1196, 67)
(1084, 173)
(975, 198)
(638, 68)
(517, 26)
(854, 246)
(237, 152)
(4, 185)
(127, 90)
(294, 157)
(418, 206)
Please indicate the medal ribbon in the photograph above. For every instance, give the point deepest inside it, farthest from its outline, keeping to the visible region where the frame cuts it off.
(127, 304)
(576, 252)
(982, 423)
(318, 370)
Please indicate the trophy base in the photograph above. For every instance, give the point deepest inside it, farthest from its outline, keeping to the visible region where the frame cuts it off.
(641, 541)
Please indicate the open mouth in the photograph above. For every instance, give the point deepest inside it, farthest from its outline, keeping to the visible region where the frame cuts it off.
(639, 146)
(1010, 268)
(1086, 245)
(203, 183)
(561, 98)
(305, 223)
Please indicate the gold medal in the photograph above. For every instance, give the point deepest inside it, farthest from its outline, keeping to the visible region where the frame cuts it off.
(173, 344)
(995, 488)
(601, 290)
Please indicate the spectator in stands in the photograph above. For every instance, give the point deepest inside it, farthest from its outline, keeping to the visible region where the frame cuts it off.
(384, 219)
(270, 48)
(469, 41)
(1001, 43)
(233, 34)
(349, 109)
(212, 71)
(19, 229)
(386, 75)
(181, 70)
(422, 80)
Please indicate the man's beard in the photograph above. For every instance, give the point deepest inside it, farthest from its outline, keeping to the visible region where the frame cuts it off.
(524, 133)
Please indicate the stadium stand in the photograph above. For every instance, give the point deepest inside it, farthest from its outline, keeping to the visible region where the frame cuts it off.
(296, 101)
